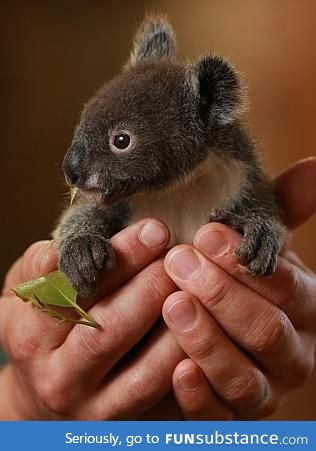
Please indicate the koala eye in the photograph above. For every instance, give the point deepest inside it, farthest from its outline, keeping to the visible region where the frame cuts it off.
(121, 141)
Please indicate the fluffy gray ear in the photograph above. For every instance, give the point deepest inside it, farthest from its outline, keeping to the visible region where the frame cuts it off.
(154, 39)
(219, 88)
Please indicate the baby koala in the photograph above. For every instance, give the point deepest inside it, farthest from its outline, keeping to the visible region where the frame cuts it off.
(165, 140)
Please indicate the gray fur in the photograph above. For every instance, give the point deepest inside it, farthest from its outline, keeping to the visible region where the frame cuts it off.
(185, 129)
(154, 39)
(220, 89)
(82, 238)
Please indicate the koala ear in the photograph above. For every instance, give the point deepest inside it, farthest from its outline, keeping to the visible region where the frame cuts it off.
(219, 88)
(154, 39)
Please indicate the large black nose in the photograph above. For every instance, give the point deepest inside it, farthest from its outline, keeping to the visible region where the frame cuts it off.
(73, 164)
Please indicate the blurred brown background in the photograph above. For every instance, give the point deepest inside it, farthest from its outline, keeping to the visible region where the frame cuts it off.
(55, 54)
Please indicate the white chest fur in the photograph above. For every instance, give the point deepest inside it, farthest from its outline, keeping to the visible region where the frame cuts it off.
(184, 208)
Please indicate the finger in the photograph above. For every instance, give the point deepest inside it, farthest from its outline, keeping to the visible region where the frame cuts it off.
(289, 288)
(135, 247)
(124, 318)
(37, 260)
(235, 379)
(22, 327)
(195, 395)
(255, 324)
(293, 258)
(289, 186)
(140, 384)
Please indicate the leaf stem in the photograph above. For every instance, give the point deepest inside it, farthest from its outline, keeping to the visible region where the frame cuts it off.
(87, 317)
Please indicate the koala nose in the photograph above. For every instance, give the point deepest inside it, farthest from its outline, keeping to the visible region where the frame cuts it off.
(72, 165)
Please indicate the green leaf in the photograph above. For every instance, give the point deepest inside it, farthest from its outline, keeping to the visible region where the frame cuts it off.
(54, 290)
(73, 194)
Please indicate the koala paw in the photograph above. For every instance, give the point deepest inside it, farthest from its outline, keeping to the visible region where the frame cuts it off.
(259, 246)
(82, 258)
(258, 251)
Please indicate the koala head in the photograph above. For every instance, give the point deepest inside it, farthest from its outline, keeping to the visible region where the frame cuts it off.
(148, 128)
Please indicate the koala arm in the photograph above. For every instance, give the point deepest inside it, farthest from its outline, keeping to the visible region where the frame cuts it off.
(84, 218)
(82, 239)
(258, 219)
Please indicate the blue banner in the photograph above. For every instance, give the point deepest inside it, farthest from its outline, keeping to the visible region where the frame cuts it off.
(152, 435)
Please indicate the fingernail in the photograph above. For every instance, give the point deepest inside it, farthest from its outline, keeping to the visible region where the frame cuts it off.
(213, 243)
(44, 258)
(264, 397)
(182, 314)
(190, 380)
(153, 234)
(184, 263)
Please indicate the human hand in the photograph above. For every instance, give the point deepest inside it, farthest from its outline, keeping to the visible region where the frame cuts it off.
(65, 371)
(128, 393)
(250, 340)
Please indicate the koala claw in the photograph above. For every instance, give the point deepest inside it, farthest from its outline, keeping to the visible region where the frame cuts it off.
(259, 246)
(82, 258)
(261, 260)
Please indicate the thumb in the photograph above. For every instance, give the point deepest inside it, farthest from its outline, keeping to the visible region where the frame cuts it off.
(39, 259)
(296, 192)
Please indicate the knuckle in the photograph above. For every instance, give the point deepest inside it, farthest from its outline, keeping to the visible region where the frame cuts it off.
(245, 390)
(270, 337)
(126, 242)
(289, 286)
(219, 288)
(21, 348)
(158, 280)
(202, 348)
(155, 287)
(144, 390)
(104, 342)
(31, 252)
(90, 341)
(302, 369)
(55, 394)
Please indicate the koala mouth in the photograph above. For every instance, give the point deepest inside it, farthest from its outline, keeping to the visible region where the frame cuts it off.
(92, 195)
(97, 196)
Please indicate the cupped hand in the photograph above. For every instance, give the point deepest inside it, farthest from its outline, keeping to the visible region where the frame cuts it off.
(66, 371)
(249, 340)
(73, 372)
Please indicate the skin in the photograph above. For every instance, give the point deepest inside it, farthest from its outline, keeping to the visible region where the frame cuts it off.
(63, 371)
(250, 341)
(220, 306)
